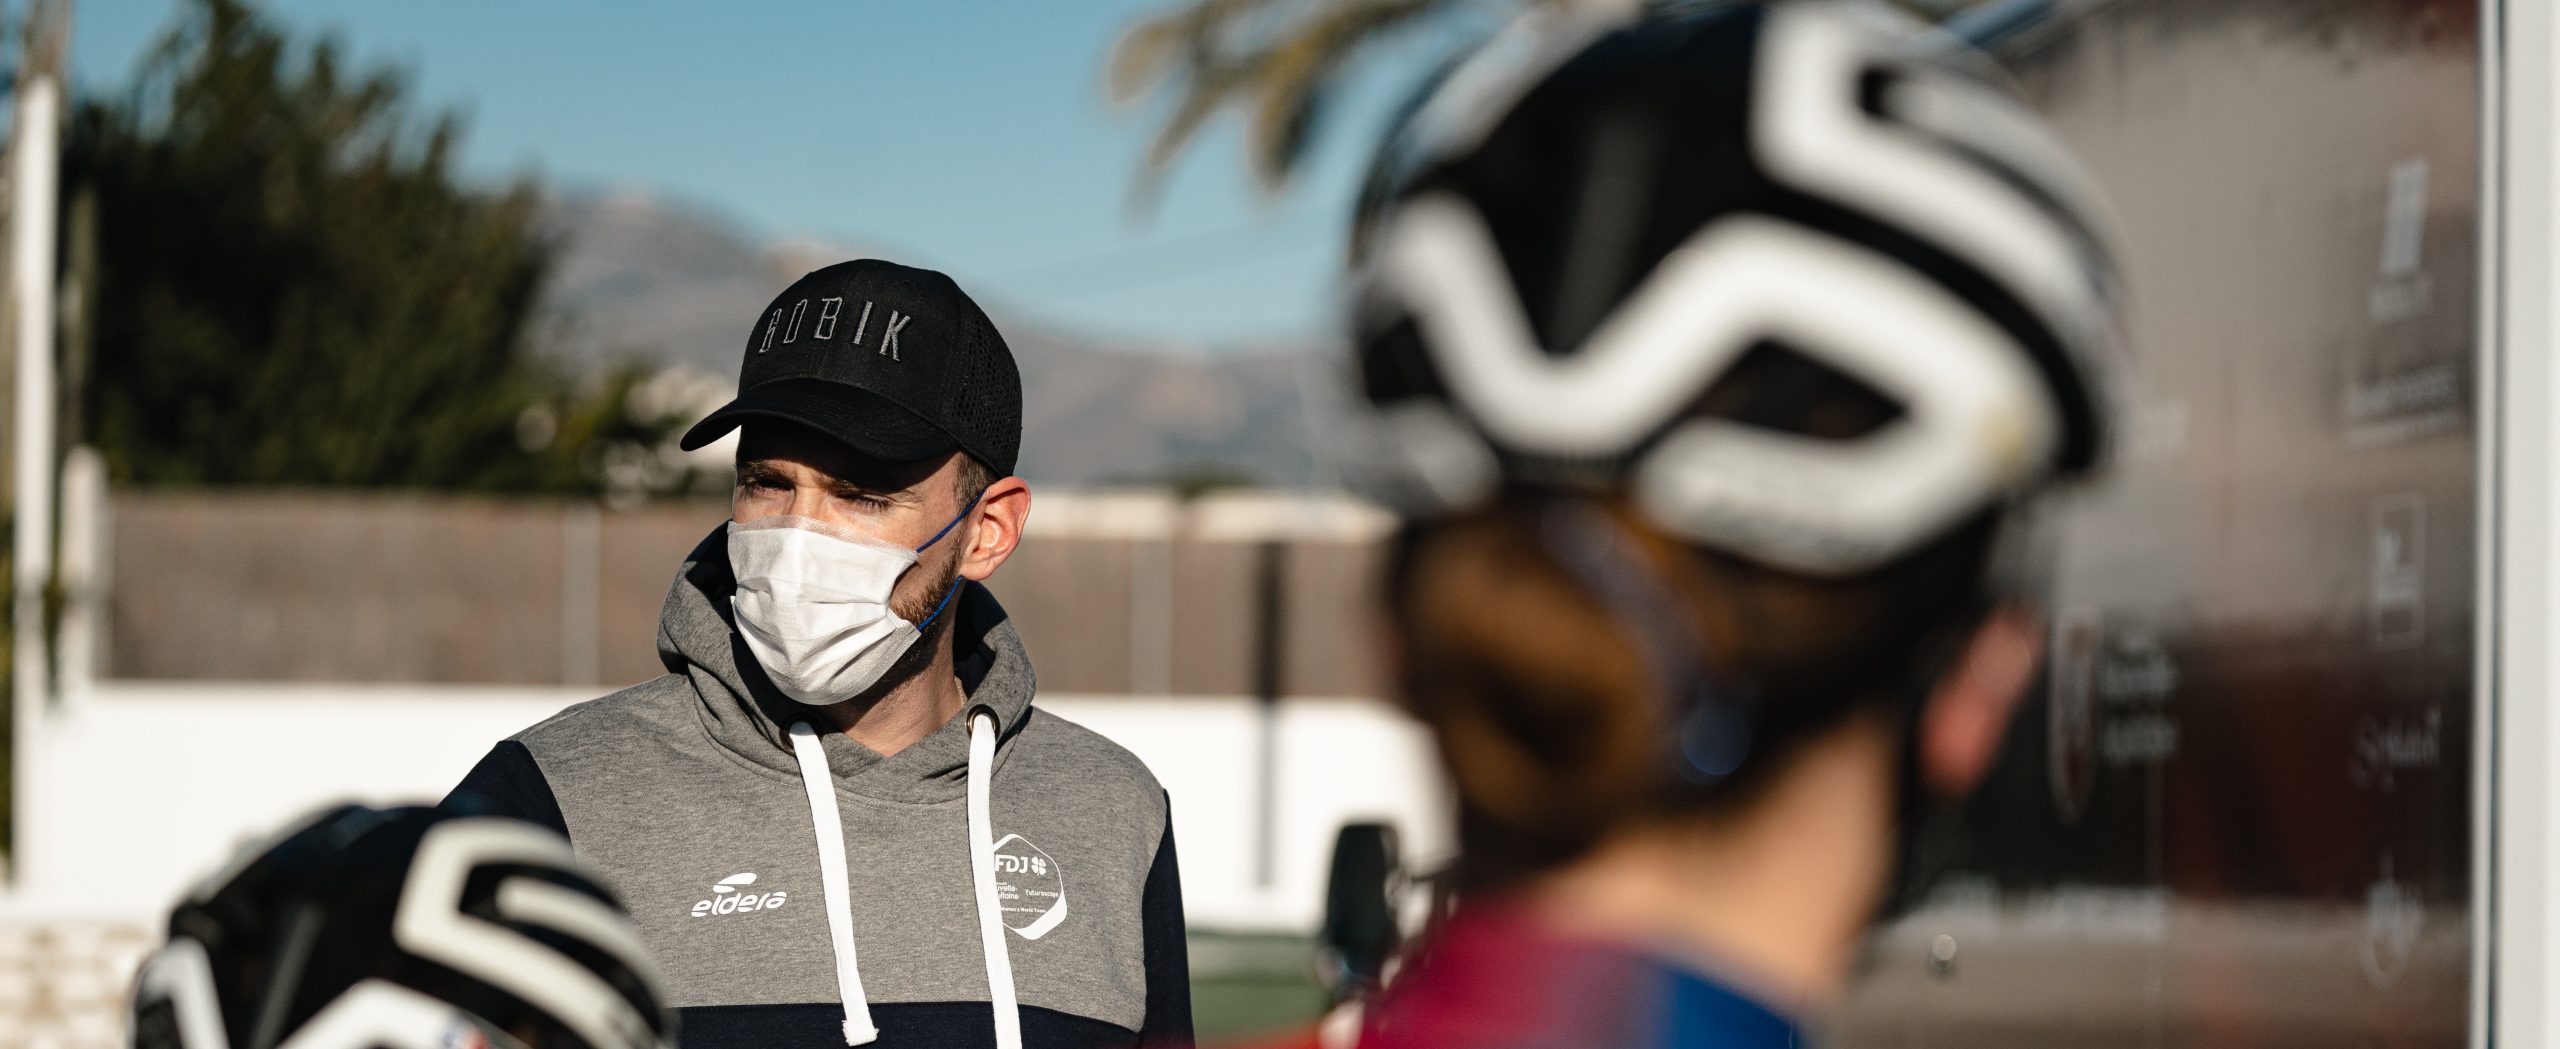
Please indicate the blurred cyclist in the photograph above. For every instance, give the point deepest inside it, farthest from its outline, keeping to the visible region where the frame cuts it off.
(406, 928)
(1714, 356)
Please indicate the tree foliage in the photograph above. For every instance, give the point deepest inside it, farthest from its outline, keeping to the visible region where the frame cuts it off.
(292, 288)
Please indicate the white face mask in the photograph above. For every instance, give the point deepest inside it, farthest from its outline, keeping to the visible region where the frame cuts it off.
(813, 604)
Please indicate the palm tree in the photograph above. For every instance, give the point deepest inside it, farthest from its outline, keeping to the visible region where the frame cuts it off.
(1275, 61)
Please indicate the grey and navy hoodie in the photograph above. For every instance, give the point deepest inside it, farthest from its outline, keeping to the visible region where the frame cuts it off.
(801, 890)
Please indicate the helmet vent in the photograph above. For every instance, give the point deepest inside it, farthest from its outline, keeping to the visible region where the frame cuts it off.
(1773, 387)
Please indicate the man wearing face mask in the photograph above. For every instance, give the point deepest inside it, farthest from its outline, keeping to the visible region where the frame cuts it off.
(838, 819)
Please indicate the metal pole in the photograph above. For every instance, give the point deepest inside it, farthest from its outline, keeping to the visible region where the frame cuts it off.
(1270, 653)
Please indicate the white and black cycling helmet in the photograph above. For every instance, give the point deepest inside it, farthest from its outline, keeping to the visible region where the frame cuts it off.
(1595, 220)
(409, 928)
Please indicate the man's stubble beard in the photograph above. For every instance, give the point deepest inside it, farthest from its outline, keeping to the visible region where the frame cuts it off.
(914, 608)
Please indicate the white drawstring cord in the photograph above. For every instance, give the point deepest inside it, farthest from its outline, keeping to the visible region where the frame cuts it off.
(982, 863)
(829, 825)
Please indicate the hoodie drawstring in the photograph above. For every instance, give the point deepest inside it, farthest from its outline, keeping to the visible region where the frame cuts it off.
(982, 863)
(828, 825)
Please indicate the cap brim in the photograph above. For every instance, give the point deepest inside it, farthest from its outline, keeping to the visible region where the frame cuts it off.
(865, 421)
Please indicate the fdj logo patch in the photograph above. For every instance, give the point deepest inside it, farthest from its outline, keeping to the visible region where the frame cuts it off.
(728, 897)
(1030, 889)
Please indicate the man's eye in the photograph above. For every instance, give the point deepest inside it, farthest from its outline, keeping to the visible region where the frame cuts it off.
(865, 500)
(770, 484)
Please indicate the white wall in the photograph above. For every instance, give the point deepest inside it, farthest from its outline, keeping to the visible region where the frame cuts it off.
(132, 790)
(1338, 760)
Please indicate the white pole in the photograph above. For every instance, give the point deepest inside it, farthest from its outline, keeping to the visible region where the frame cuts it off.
(2516, 961)
(82, 560)
(33, 170)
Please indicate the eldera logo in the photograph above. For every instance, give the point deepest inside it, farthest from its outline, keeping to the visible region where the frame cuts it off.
(726, 898)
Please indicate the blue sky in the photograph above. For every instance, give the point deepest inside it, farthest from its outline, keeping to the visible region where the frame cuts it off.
(970, 135)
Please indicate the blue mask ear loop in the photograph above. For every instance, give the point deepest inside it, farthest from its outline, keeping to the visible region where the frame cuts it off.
(947, 595)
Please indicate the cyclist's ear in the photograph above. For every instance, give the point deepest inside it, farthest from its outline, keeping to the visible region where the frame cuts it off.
(1969, 711)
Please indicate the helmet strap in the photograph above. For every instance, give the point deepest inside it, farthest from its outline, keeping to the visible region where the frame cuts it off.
(1714, 721)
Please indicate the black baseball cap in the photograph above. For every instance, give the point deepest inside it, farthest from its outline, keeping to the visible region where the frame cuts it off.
(894, 361)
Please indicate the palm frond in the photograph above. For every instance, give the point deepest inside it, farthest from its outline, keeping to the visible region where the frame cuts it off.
(1209, 91)
(1142, 58)
(1158, 46)
(1275, 62)
(1292, 75)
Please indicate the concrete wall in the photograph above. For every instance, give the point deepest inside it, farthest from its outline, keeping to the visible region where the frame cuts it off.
(1116, 594)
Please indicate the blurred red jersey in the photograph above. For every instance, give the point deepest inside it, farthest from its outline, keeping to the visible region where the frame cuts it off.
(1492, 979)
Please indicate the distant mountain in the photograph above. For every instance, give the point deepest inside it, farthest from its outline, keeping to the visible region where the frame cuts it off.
(640, 279)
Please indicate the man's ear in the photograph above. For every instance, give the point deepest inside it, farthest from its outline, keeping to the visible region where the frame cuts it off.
(1969, 711)
(997, 530)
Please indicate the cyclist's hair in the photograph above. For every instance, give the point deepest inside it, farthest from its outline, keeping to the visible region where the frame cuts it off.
(1538, 693)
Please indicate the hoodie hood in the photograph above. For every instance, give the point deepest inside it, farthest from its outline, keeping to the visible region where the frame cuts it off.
(745, 714)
